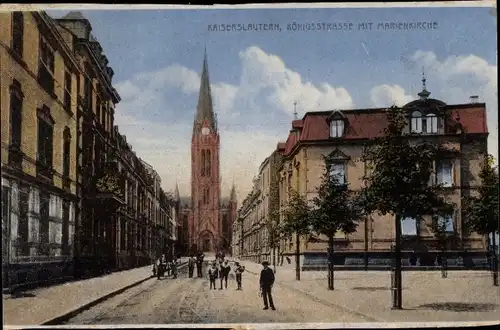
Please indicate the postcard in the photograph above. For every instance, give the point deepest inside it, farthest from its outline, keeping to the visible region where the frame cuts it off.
(261, 166)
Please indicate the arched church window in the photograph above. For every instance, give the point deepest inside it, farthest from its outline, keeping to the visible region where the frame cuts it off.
(209, 163)
(416, 122)
(203, 160)
(432, 125)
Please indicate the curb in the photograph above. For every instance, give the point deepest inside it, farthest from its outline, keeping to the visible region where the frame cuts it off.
(325, 302)
(66, 316)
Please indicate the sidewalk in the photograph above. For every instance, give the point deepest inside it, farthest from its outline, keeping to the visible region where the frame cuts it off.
(41, 305)
(463, 296)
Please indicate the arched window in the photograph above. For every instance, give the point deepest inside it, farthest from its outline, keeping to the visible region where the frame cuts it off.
(416, 122)
(66, 152)
(431, 123)
(203, 159)
(209, 163)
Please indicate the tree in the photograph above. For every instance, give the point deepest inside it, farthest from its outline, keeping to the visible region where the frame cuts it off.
(273, 219)
(335, 210)
(444, 239)
(296, 221)
(481, 212)
(399, 182)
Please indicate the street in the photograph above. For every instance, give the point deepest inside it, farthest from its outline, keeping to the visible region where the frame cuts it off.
(189, 300)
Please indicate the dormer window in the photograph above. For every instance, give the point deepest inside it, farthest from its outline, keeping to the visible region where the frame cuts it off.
(336, 128)
(416, 122)
(431, 124)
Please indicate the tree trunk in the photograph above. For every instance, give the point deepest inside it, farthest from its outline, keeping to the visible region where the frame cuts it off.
(397, 302)
(297, 257)
(444, 265)
(330, 264)
(494, 260)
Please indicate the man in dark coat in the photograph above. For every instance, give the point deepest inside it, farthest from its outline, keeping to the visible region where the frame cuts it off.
(199, 265)
(266, 284)
(191, 262)
(239, 270)
(225, 269)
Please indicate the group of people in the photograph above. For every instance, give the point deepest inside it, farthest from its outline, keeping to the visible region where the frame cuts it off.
(162, 266)
(220, 269)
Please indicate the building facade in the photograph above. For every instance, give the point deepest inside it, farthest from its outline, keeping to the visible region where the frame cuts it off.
(38, 86)
(461, 128)
(256, 212)
(209, 217)
(76, 199)
(342, 135)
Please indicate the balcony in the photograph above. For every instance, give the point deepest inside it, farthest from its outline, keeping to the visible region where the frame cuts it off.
(108, 190)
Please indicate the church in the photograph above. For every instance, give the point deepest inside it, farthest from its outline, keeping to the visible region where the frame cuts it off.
(205, 218)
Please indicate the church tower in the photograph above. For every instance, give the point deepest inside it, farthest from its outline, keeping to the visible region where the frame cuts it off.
(204, 227)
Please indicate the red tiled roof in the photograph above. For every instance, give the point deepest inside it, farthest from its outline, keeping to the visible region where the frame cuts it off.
(370, 123)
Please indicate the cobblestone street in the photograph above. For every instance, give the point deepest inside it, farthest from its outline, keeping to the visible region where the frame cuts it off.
(185, 300)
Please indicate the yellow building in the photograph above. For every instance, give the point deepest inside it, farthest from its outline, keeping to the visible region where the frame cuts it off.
(39, 143)
(342, 135)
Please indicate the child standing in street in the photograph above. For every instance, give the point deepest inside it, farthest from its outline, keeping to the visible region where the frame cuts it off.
(212, 275)
(239, 270)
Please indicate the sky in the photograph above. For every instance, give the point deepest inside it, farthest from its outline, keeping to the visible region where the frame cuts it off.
(256, 76)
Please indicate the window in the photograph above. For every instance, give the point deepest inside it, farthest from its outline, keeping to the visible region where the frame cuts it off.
(337, 171)
(88, 93)
(336, 128)
(66, 151)
(444, 172)
(446, 223)
(103, 115)
(431, 124)
(203, 162)
(46, 66)
(98, 110)
(67, 91)
(416, 122)
(16, 120)
(45, 138)
(208, 164)
(409, 227)
(17, 33)
(206, 196)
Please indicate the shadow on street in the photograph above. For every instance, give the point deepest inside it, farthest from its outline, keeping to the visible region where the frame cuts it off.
(459, 307)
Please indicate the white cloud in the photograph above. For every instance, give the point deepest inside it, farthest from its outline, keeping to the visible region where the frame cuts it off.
(243, 147)
(384, 95)
(266, 86)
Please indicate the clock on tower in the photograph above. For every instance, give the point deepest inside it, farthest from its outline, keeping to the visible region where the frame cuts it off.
(205, 131)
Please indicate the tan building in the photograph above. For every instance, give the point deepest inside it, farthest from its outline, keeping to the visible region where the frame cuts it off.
(342, 134)
(38, 87)
(254, 215)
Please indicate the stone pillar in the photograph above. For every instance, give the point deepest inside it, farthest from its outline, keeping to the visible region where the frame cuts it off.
(14, 218)
(71, 230)
(34, 219)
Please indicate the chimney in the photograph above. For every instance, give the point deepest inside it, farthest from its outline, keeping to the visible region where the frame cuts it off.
(474, 98)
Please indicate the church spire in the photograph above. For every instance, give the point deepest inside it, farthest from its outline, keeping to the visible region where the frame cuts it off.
(424, 94)
(176, 192)
(233, 193)
(204, 110)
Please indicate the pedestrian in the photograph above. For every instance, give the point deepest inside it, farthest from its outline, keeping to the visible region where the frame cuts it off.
(160, 266)
(199, 264)
(225, 268)
(239, 270)
(266, 284)
(212, 275)
(174, 268)
(191, 263)
(169, 268)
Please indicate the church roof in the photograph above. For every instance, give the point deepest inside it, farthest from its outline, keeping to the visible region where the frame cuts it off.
(204, 109)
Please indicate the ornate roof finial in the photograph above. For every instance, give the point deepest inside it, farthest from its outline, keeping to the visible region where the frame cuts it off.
(424, 94)
(295, 115)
